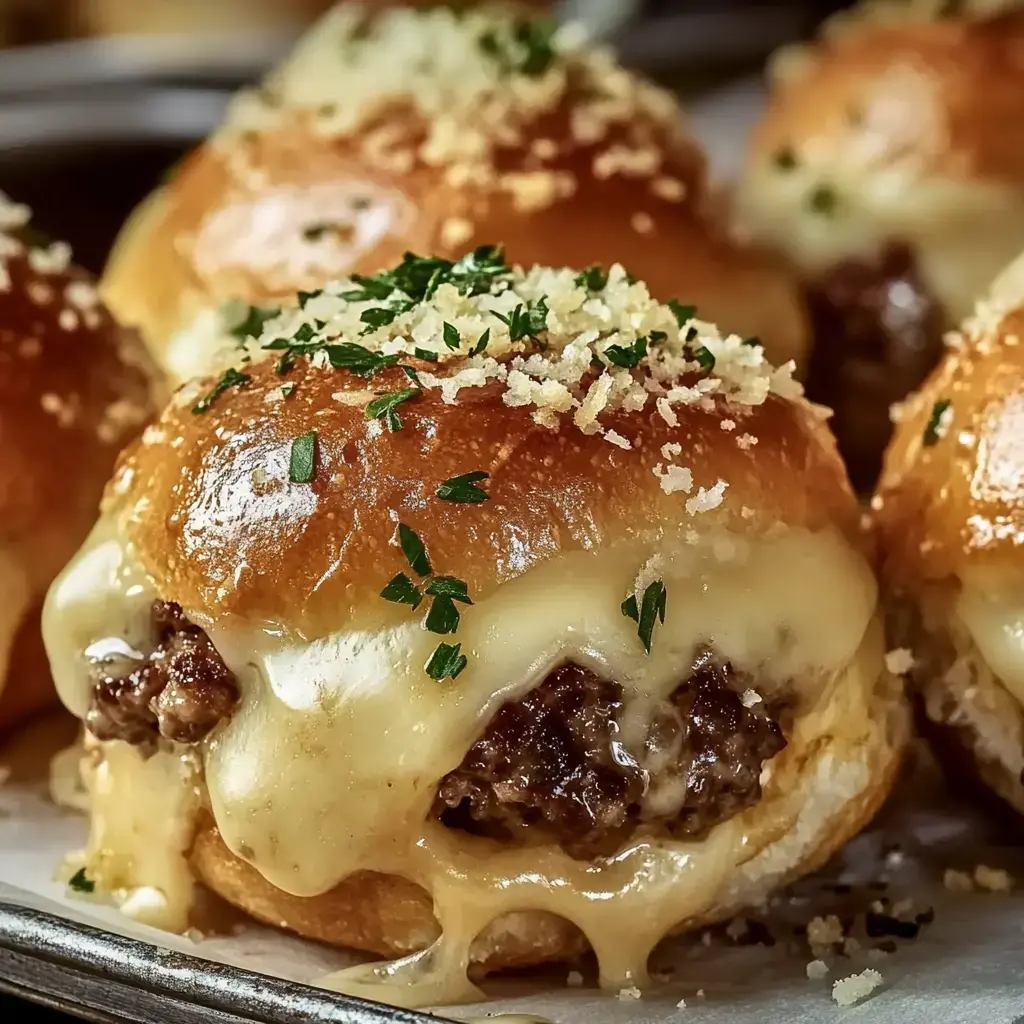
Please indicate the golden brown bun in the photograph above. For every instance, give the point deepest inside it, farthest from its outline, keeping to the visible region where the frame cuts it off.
(959, 501)
(205, 237)
(391, 917)
(74, 387)
(114, 17)
(289, 536)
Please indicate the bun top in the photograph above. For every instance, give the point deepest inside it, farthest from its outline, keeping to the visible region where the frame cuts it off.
(952, 490)
(584, 412)
(74, 387)
(434, 130)
(897, 130)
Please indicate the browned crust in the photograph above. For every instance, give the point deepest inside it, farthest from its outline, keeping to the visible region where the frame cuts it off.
(205, 494)
(960, 83)
(960, 500)
(152, 280)
(70, 396)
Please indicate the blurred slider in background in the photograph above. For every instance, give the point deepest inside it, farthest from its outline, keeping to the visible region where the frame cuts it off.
(101, 97)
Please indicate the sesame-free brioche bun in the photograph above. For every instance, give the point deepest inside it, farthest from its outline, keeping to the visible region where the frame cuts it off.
(885, 169)
(74, 387)
(332, 168)
(584, 507)
(949, 516)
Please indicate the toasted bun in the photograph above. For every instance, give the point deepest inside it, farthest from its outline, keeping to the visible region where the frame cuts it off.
(279, 523)
(906, 125)
(115, 17)
(334, 169)
(949, 514)
(74, 387)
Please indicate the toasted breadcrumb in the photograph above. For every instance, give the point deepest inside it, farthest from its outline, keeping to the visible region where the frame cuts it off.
(857, 987)
(626, 994)
(750, 698)
(817, 969)
(992, 879)
(574, 979)
(824, 931)
(957, 881)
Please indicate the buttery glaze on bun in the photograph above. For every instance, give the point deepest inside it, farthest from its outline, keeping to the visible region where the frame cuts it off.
(433, 130)
(950, 520)
(116, 17)
(74, 388)
(887, 169)
(496, 615)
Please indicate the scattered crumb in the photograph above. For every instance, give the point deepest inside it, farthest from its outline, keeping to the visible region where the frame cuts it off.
(875, 955)
(681, 1005)
(706, 499)
(574, 979)
(642, 223)
(825, 931)
(700, 993)
(957, 881)
(900, 661)
(705, 938)
(618, 440)
(750, 698)
(456, 230)
(817, 969)
(992, 879)
(727, 424)
(746, 441)
(670, 450)
(670, 189)
(851, 947)
(894, 859)
(737, 928)
(625, 994)
(851, 990)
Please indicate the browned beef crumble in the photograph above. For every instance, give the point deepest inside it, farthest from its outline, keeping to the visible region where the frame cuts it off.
(553, 763)
(180, 691)
(877, 335)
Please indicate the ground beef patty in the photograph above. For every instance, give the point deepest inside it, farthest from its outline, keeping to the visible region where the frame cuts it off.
(877, 335)
(180, 692)
(553, 763)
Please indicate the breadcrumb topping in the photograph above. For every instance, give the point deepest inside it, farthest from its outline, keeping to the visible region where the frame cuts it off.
(449, 88)
(857, 987)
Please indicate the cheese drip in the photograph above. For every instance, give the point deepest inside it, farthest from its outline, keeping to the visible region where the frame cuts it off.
(794, 609)
(993, 612)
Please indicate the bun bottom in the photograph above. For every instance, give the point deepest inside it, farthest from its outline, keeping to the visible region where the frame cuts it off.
(839, 786)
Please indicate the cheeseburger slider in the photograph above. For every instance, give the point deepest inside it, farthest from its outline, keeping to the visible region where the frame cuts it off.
(950, 517)
(888, 169)
(476, 617)
(433, 129)
(74, 388)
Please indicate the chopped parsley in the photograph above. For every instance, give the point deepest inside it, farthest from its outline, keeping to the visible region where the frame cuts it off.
(683, 314)
(230, 379)
(936, 422)
(706, 358)
(401, 590)
(464, 488)
(304, 297)
(410, 372)
(357, 359)
(383, 406)
(302, 465)
(627, 355)
(426, 355)
(593, 278)
(287, 389)
(785, 158)
(80, 882)
(443, 616)
(822, 200)
(528, 49)
(446, 662)
(650, 609)
(752, 342)
(481, 343)
(449, 587)
(526, 321)
(251, 323)
(414, 550)
(451, 336)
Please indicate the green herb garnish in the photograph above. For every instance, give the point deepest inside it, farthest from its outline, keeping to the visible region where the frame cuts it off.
(822, 200)
(315, 232)
(481, 343)
(936, 422)
(384, 405)
(628, 356)
(752, 342)
(401, 590)
(706, 358)
(449, 587)
(231, 379)
(451, 336)
(251, 325)
(527, 49)
(446, 661)
(80, 882)
(426, 355)
(413, 549)
(594, 278)
(785, 158)
(683, 314)
(651, 608)
(287, 389)
(304, 297)
(526, 321)
(443, 616)
(464, 488)
(410, 372)
(302, 466)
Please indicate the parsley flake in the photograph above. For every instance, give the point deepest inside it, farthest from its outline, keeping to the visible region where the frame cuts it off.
(451, 335)
(231, 379)
(650, 610)
(528, 49)
(785, 159)
(822, 199)
(451, 587)
(401, 590)
(683, 314)
(426, 355)
(481, 343)
(383, 406)
(526, 321)
(628, 356)
(80, 882)
(593, 278)
(706, 358)
(414, 550)
(446, 662)
(934, 431)
(251, 323)
(464, 488)
(443, 616)
(302, 466)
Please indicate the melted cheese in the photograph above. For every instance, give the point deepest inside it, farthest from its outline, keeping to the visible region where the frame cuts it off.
(356, 708)
(15, 597)
(993, 613)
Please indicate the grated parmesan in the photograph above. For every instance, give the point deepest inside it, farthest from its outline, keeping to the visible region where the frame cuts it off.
(857, 987)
